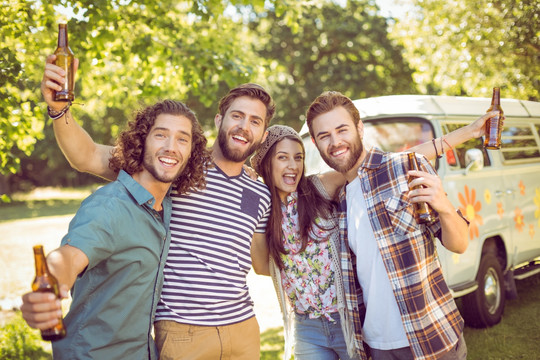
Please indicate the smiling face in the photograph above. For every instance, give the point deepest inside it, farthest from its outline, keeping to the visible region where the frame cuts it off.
(241, 129)
(338, 139)
(287, 165)
(167, 147)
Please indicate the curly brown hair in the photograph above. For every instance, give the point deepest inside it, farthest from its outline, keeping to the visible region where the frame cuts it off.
(128, 153)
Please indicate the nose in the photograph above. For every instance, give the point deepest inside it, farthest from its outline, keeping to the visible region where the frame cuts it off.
(335, 140)
(170, 145)
(291, 164)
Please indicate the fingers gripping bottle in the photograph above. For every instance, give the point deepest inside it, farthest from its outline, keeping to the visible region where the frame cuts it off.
(422, 211)
(46, 282)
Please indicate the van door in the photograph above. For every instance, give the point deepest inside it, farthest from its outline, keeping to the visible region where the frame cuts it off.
(520, 198)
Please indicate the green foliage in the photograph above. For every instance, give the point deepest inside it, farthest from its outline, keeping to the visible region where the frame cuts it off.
(330, 47)
(19, 116)
(467, 47)
(19, 342)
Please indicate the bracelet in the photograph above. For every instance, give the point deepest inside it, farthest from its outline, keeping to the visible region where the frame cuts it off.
(436, 151)
(54, 114)
(446, 142)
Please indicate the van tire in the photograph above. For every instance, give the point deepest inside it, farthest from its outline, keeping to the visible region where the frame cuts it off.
(484, 307)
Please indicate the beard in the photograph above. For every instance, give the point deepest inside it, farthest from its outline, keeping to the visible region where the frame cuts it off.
(232, 154)
(355, 151)
(164, 178)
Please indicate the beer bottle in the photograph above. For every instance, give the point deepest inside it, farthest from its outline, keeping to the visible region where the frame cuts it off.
(64, 59)
(46, 282)
(422, 211)
(495, 124)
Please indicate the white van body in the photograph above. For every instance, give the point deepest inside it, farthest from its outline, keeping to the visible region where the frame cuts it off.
(498, 190)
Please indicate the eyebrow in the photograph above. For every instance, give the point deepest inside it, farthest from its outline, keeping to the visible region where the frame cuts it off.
(243, 113)
(337, 128)
(168, 130)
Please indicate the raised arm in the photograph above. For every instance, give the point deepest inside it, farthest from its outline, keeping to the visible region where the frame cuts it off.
(76, 144)
(459, 136)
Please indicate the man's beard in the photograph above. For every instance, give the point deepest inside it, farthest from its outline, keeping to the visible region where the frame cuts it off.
(235, 155)
(355, 151)
(149, 166)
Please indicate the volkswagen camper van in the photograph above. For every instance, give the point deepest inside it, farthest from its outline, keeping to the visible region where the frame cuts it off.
(497, 190)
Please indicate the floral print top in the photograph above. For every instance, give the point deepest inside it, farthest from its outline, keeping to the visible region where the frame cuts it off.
(307, 277)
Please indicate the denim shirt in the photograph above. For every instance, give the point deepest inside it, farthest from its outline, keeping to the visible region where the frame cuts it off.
(115, 298)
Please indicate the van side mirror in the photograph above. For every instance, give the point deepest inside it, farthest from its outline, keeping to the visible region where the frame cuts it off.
(474, 160)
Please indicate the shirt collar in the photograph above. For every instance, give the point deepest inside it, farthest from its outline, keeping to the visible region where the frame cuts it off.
(139, 193)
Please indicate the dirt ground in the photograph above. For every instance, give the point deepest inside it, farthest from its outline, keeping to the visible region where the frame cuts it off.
(17, 264)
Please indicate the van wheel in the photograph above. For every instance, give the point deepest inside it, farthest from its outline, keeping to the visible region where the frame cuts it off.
(484, 307)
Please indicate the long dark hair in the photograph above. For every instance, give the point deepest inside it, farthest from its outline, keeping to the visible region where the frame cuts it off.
(311, 205)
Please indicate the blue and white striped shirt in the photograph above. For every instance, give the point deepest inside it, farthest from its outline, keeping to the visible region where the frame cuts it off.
(209, 256)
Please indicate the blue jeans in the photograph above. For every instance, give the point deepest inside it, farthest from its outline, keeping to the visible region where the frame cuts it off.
(319, 339)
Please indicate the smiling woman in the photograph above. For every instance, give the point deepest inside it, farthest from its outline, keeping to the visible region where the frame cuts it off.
(303, 241)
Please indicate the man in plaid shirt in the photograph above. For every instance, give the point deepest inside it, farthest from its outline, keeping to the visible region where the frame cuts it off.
(396, 295)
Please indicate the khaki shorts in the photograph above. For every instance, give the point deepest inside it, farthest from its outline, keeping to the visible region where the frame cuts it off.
(240, 341)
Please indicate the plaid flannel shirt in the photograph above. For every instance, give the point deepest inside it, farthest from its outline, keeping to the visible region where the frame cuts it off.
(429, 314)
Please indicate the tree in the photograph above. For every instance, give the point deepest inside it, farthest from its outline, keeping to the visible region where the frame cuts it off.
(467, 47)
(130, 52)
(330, 47)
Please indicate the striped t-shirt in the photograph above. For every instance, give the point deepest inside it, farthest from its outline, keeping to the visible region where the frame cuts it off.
(209, 256)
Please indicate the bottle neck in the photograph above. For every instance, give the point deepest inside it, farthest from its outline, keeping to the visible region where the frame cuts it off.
(496, 99)
(62, 36)
(413, 164)
(41, 264)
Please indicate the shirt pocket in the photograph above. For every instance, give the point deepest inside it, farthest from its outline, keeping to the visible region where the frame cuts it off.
(401, 214)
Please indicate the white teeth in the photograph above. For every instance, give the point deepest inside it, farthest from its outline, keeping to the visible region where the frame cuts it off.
(168, 161)
(241, 138)
(290, 175)
(337, 153)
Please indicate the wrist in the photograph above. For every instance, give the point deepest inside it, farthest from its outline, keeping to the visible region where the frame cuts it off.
(57, 114)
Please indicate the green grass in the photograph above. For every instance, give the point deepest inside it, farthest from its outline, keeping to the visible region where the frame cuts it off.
(44, 202)
(517, 336)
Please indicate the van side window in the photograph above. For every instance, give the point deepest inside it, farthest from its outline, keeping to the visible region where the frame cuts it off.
(458, 161)
(520, 142)
(397, 134)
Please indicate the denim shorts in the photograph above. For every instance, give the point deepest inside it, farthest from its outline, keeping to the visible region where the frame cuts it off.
(319, 339)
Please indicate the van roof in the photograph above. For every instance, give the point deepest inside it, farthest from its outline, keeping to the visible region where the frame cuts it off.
(438, 105)
(442, 106)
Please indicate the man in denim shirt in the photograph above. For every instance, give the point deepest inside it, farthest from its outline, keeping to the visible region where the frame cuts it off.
(113, 255)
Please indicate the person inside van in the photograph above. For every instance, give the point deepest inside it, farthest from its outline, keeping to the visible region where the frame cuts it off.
(395, 293)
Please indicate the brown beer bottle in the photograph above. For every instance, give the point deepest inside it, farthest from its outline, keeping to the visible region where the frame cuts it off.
(64, 59)
(46, 282)
(495, 124)
(422, 211)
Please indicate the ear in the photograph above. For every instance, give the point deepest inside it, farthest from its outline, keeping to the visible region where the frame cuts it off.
(313, 140)
(360, 128)
(217, 120)
(264, 136)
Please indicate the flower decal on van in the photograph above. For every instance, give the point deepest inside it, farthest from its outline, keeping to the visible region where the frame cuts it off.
(531, 230)
(537, 203)
(470, 207)
(500, 210)
(521, 187)
(518, 219)
(487, 196)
